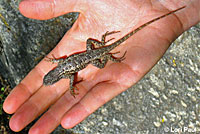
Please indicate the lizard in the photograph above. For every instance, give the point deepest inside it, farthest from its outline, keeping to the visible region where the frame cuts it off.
(68, 67)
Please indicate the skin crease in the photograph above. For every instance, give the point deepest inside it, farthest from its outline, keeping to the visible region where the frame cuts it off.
(30, 98)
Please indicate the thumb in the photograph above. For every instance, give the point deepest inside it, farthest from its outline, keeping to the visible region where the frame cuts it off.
(46, 9)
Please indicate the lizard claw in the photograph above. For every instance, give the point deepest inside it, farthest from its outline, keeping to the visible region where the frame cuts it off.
(118, 59)
(115, 52)
(123, 57)
(106, 34)
(109, 40)
(53, 60)
(109, 33)
(49, 59)
(72, 92)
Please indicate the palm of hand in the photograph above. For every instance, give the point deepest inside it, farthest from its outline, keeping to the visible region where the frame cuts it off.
(98, 86)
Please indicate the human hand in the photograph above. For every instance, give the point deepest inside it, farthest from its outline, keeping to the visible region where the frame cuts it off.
(30, 98)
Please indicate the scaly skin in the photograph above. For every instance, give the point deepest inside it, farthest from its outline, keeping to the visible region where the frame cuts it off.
(68, 67)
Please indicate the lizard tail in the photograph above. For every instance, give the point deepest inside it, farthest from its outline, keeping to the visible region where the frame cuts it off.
(124, 38)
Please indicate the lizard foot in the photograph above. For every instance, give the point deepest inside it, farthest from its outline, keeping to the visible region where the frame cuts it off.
(48, 59)
(72, 92)
(106, 34)
(118, 59)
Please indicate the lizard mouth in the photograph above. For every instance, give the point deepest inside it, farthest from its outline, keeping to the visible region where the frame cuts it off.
(46, 80)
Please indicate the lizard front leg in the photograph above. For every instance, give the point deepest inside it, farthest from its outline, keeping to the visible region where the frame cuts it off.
(71, 87)
(54, 60)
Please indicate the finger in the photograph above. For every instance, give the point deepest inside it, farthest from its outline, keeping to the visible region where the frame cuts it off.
(46, 9)
(34, 80)
(52, 118)
(37, 104)
(26, 88)
(112, 84)
(29, 86)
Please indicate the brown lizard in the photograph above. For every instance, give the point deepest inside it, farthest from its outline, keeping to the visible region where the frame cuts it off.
(68, 67)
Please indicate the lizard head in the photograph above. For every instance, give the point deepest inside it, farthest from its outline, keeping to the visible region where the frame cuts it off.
(50, 78)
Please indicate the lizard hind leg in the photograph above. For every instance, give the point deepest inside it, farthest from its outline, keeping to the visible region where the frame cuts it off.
(94, 43)
(103, 38)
